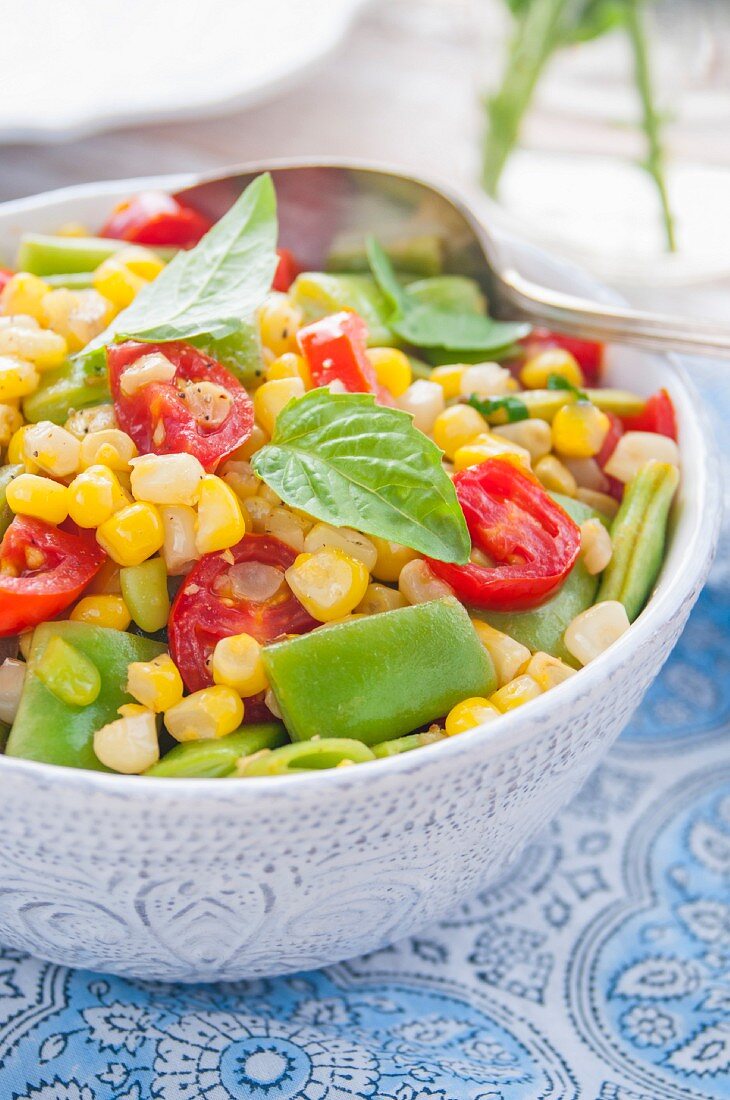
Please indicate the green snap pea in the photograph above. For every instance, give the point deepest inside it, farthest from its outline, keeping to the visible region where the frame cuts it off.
(68, 673)
(304, 756)
(638, 534)
(44, 254)
(144, 588)
(216, 758)
(407, 744)
(7, 473)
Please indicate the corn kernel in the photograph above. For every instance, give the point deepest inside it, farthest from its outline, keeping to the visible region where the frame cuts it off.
(536, 372)
(391, 557)
(268, 494)
(392, 369)
(329, 583)
(24, 294)
(457, 426)
(418, 584)
(379, 598)
(518, 691)
(132, 534)
(241, 478)
(534, 435)
(579, 430)
(602, 502)
(129, 744)
(485, 380)
(548, 671)
(424, 400)
(257, 439)
(635, 449)
(154, 367)
(31, 495)
(283, 524)
(12, 680)
(488, 445)
(272, 397)
(17, 378)
(221, 522)
(16, 451)
(257, 512)
(179, 550)
(124, 274)
(109, 447)
(469, 713)
(289, 365)
(10, 420)
(77, 315)
(449, 378)
(94, 495)
(96, 419)
(108, 611)
(555, 477)
(44, 349)
(587, 473)
(595, 546)
(142, 261)
(508, 655)
(209, 713)
(279, 320)
(346, 539)
(52, 449)
(156, 684)
(595, 629)
(237, 664)
(166, 479)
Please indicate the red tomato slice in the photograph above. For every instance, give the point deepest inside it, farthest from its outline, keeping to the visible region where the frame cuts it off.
(216, 600)
(588, 353)
(167, 417)
(5, 276)
(44, 569)
(286, 270)
(155, 218)
(658, 416)
(614, 433)
(335, 349)
(532, 540)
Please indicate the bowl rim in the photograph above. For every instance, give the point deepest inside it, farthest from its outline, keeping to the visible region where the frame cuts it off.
(690, 570)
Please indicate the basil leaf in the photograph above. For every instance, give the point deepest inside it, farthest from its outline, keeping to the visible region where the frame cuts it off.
(514, 407)
(211, 290)
(429, 326)
(557, 382)
(352, 463)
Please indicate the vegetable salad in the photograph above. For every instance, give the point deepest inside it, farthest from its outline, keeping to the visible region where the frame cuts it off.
(258, 520)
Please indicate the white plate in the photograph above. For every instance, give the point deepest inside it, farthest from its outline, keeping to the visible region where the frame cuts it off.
(72, 68)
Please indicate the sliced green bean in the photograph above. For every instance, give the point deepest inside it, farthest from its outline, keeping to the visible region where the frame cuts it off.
(72, 280)
(216, 759)
(144, 588)
(407, 744)
(68, 673)
(43, 254)
(303, 756)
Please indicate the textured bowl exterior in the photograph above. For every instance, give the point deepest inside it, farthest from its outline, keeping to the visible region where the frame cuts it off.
(195, 880)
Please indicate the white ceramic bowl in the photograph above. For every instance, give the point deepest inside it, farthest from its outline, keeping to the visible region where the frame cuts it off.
(195, 880)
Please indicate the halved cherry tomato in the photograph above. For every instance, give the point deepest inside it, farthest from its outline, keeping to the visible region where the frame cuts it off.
(287, 270)
(614, 433)
(217, 599)
(5, 276)
(169, 417)
(155, 218)
(42, 571)
(588, 353)
(658, 416)
(532, 540)
(335, 351)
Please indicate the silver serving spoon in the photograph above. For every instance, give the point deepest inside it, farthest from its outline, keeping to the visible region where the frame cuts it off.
(331, 206)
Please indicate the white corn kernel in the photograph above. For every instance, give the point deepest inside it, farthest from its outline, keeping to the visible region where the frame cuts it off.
(129, 744)
(155, 367)
(178, 550)
(12, 678)
(600, 502)
(595, 546)
(240, 476)
(595, 629)
(109, 447)
(418, 584)
(96, 419)
(424, 400)
(486, 380)
(534, 435)
(587, 473)
(166, 479)
(258, 512)
(342, 538)
(286, 526)
(508, 655)
(52, 449)
(10, 420)
(635, 449)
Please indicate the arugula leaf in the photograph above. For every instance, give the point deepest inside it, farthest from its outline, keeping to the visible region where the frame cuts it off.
(352, 463)
(514, 408)
(213, 289)
(557, 382)
(429, 326)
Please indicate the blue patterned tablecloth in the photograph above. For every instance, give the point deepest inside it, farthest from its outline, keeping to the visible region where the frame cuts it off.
(598, 968)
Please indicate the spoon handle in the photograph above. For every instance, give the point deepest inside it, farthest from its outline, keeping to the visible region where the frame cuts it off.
(581, 317)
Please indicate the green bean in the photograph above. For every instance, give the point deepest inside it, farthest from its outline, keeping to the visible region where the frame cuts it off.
(303, 756)
(144, 588)
(407, 744)
(68, 673)
(42, 254)
(216, 759)
(72, 280)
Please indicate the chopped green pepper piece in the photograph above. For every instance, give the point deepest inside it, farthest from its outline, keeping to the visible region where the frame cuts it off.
(216, 758)
(305, 756)
(380, 677)
(68, 673)
(43, 254)
(144, 588)
(50, 730)
(7, 473)
(75, 385)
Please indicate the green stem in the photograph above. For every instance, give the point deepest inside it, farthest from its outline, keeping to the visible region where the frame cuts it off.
(536, 36)
(655, 163)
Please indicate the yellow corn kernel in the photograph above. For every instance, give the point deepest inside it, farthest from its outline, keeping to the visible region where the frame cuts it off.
(289, 365)
(555, 477)
(257, 512)
(548, 671)
(488, 445)
(508, 655)
(418, 584)
(595, 546)
(279, 320)
(449, 378)
(424, 400)
(534, 435)
(128, 744)
(179, 549)
(44, 349)
(16, 450)
(270, 399)
(221, 522)
(238, 474)
(51, 448)
(132, 534)
(283, 524)
(457, 426)
(579, 430)
(595, 629)
(257, 439)
(602, 502)
(96, 419)
(486, 380)
(156, 684)
(109, 611)
(346, 539)
(10, 420)
(77, 315)
(469, 713)
(110, 447)
(17, 378)
(31, 495)
(117, 283)
(237, 664)
(94, 495)
(166, 479)
(392, 369)
(536, 372)
(378, 598)
(328, 583)
(391, 557)
(515, 693)
(635, 449)
(24, 294)
(209, 713)
(142, 261)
